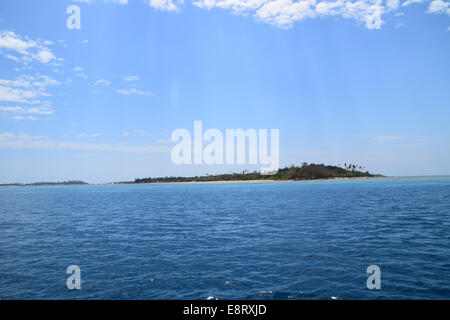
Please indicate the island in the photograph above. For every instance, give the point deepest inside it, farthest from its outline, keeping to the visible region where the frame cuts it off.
(35, 184)
(291, 173)
(304, 172)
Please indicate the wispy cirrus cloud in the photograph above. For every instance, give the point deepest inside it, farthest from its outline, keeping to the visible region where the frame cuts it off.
(85, 135)
(384, 139)
(408, 2)
(45, 109)
(134, 91)
(131, 78)
(139, 133)
(117, 1)
(102, 82)
(19, 117)
(27, 141)
(308, 152)
(80, 72)
(24, 113)
(29, 81)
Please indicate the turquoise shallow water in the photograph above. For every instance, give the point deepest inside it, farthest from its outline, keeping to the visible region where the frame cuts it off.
(307, 240)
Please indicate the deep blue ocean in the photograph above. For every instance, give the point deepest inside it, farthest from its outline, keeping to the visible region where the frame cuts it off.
(290, 240)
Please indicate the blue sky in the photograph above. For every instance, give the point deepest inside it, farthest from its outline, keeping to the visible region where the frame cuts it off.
(363, 82)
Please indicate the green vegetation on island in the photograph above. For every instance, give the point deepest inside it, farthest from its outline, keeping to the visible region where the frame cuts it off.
(303, 172)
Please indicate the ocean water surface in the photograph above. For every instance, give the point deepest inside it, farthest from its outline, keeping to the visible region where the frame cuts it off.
(290, 240)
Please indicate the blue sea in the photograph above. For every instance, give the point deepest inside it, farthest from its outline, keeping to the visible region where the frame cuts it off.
(285, 240)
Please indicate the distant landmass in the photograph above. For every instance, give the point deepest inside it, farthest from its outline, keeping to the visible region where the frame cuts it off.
(64, 183)
(304, 172)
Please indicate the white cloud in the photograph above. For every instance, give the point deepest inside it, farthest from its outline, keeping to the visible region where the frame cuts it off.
(137, 133)
(102, 82)
(383, 139)
(24, 118)
(236, 6)
(30, 50)
(439, 6)
(134, 91)
(28, 81)
(309, 152)
(27, 141)
(393, 4)
(44, 81)
(117, 1)
(25, 89)
(11, 41)
(166, 5)
(131, 78)
(44, 55)
(87, 135)
(20, 82)
(284, 13)
(9, 94)
(22, 113)
(408, 2)
(165, 141)
(80, 72)
(10, 56)
(45, 109)
(141, 133)
(329, 8)
(112, 1)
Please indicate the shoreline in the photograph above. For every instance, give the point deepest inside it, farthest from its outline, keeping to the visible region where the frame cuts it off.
(337, 179)
(246, 181)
